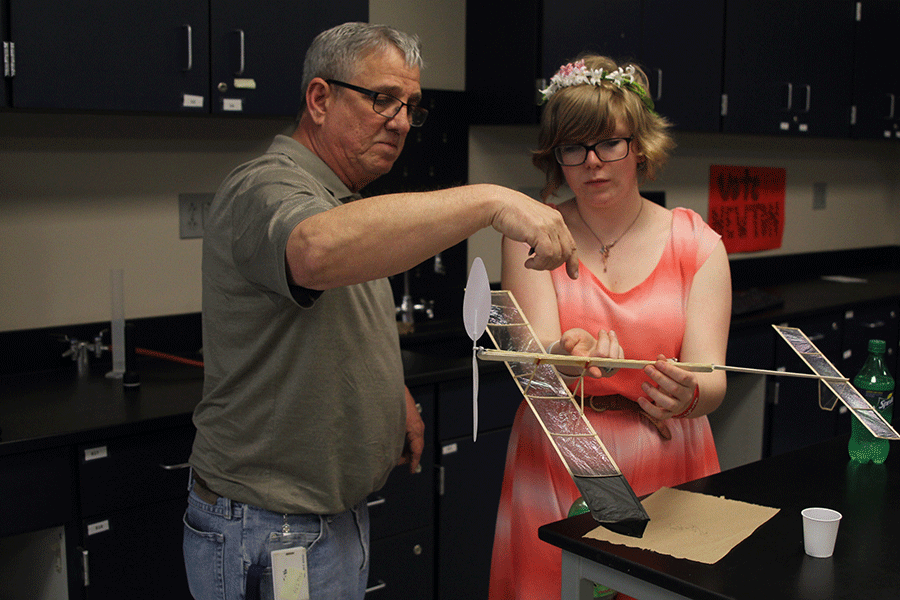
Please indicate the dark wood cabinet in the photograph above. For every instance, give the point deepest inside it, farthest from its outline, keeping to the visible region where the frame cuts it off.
(470, 475)
(876, 83)
(513, 50)
(808, 68)
(682, 51)
(401, 516)
(532, 40)
(109, 56)
(133, 493)
(793, 418)
(788, 67)
(164, 56)
(257, 51)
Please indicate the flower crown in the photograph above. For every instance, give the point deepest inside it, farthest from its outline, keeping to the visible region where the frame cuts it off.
(578, 74)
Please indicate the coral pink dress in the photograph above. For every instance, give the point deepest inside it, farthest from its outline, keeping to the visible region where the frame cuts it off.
(649, 320)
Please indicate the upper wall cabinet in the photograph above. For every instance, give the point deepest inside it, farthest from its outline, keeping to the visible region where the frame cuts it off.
(681, 50)
(514, 50)
(109, 55)
(258, 50)
(788, 67)
(876, 75)
(201, 56)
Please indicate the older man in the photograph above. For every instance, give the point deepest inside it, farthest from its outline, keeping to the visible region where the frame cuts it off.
(304, 411)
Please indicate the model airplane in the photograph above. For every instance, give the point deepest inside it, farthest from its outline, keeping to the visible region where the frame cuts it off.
(607, 493)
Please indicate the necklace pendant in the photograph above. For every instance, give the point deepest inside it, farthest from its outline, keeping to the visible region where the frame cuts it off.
(604, 255)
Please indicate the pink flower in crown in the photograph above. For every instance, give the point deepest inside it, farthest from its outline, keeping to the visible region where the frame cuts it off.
(570, 68)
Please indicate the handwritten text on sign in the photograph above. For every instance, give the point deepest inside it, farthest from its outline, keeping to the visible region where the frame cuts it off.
(746, 206)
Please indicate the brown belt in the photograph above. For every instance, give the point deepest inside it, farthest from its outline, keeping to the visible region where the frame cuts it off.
(202, 490)
(619, 402)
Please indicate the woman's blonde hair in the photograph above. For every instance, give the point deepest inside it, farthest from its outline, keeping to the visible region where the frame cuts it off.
(586, 113)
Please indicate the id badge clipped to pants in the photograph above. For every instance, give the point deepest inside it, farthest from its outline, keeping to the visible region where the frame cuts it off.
(290, 578)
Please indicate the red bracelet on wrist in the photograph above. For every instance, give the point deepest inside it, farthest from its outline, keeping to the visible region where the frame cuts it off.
(691, 406)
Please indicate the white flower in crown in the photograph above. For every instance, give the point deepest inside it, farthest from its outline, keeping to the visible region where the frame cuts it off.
(620, 76)
(578, 74)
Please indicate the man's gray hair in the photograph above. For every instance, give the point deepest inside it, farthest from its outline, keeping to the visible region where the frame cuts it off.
(336, 52)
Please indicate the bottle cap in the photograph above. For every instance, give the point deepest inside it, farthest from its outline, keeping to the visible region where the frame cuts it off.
(877, 346)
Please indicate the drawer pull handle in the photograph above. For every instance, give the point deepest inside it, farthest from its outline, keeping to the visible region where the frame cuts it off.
(376, 502)
(177, 467)
(875, 325)
(378, 586)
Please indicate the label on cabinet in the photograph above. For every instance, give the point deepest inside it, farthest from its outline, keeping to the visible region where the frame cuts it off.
(232, 104)
(94, 453)
(98, 527)
(192, 101)
(245, 84)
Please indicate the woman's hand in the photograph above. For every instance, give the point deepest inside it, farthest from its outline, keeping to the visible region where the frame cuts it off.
(673, 393)
(578, 342)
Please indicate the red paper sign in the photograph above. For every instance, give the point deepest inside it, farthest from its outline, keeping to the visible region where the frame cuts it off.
(746, 206)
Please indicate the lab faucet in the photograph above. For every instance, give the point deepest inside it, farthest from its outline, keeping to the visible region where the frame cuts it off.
(408, 308)
(79, 350)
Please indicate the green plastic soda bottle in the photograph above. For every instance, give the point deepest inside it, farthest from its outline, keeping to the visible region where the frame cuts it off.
(876, 385)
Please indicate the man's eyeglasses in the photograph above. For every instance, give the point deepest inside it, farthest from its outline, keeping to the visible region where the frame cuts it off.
(387, 105)
(611, 150)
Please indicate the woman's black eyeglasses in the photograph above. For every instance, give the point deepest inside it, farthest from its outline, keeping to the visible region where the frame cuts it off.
(609, 150)
(387, 105)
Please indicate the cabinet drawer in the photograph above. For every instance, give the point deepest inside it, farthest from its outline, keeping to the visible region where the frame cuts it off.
(793, 417)
(498, 400)
(406, 501)
(37, 490)
(134, 470)
(135, 553)
(753, 347)
(402, 567)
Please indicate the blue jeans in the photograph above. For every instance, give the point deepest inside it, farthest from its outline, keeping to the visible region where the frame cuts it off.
(222, 541)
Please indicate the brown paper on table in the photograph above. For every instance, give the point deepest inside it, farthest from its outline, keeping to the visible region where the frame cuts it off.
(690, 525)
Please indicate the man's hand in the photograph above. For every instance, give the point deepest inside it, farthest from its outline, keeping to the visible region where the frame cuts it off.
(542, 227)
(415, 435)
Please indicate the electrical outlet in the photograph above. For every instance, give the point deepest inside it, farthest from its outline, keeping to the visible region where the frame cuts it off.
(192, 209)
(819, 195)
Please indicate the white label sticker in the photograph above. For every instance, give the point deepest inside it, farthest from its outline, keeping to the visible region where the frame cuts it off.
(449, 449)
(192, 101)
(98, 527)
(95, 453)
(232, 104)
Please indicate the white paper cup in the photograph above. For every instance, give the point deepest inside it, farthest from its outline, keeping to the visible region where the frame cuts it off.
(820, 527)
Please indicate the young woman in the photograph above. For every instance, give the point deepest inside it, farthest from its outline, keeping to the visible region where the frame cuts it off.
(654, 284)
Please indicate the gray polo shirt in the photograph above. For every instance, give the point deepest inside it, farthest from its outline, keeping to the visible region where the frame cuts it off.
(303, 408)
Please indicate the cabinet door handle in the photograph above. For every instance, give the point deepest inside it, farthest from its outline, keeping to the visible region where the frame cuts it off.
(190, 47)
(376, 502)
(790, 96)
(873, 325)
(378, 586)
(85, 571)
(892, 105)
(240, 40)
(808, 98)
(176, 467)
(659, 75)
